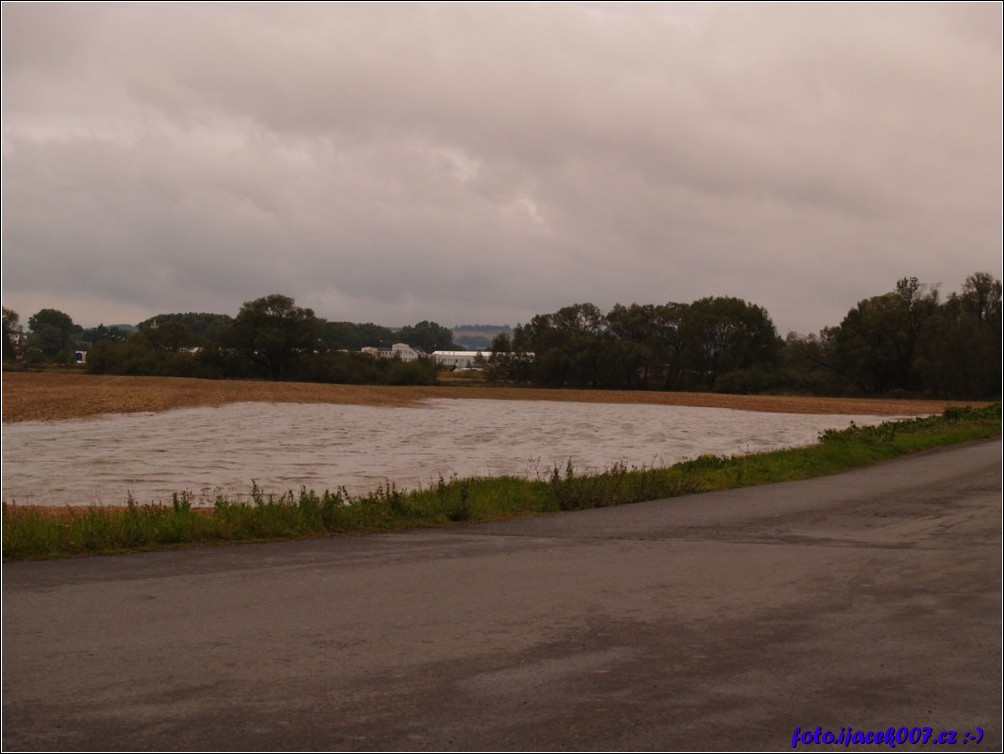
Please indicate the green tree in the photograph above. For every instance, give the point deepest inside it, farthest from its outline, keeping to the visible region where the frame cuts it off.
(506, 364)
(959, 347)
(354, 337)
(53, 334)
(876, 342)
(650, 343)
(726, 337)
(572, 347)
(101, 334)
(810, 364)
(11, 334)
(274, 335)
(200, 324)
(873, 344)
(173, 336)
(428, 336)
(981, 299)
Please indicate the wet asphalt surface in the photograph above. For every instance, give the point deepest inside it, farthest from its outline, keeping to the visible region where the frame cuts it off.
(727, 620)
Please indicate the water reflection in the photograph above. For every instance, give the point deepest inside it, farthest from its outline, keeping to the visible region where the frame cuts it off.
(284, 446)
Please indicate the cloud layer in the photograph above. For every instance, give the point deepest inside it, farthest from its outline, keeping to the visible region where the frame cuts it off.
(464, 163)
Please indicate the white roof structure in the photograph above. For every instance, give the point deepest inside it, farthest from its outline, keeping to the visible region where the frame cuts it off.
(458, 358)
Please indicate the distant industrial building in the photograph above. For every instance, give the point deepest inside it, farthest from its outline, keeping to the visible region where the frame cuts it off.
(401, 350)
(460, 359)
(447, 359)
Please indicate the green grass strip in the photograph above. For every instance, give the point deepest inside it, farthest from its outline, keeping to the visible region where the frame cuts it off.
(30, 533)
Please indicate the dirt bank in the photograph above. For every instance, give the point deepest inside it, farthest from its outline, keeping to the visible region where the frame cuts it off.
(52, 396)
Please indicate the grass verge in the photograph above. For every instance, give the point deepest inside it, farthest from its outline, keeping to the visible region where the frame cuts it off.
(30, 532)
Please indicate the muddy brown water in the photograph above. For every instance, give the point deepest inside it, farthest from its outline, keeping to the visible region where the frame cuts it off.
(210, 451)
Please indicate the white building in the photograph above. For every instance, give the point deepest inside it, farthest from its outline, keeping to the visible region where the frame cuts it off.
(401, 350)
(460, 359)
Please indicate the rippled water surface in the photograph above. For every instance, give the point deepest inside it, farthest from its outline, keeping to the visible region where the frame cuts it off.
(284, 446)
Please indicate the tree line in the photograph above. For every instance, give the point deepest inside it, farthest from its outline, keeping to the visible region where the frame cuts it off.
(270, 338)
(905, 341)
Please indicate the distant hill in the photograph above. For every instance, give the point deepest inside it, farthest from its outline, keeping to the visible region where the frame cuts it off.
(482, 328)
(477, 337)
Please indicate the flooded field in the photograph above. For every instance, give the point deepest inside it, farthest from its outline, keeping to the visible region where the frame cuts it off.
(282, 446)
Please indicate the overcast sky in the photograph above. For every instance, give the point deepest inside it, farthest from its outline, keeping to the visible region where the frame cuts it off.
(488, 162)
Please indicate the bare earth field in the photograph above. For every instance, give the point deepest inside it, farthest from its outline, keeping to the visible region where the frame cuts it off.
(47, 396)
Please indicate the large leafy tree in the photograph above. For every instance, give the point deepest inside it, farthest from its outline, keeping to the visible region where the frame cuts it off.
(428, 336)
(873, 344)
(200, 324)
(572, 347)
(11, 333)
(981, 299)
(53, 334)
(722, 336)
(650, 345)
(673, 345)
(173, 337)
(959, 348)
(354, 337)
(506, 364)
(810, 364)
(101, 334)
(274, 334)
(877, 341)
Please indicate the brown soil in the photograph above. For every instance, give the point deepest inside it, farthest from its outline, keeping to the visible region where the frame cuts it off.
(31, 396)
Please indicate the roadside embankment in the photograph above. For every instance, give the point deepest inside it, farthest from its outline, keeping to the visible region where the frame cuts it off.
(33, 532)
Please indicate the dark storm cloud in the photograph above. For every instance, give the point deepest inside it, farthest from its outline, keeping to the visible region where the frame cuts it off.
(453, 162)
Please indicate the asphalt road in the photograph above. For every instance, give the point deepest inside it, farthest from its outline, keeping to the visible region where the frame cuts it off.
(719, 621)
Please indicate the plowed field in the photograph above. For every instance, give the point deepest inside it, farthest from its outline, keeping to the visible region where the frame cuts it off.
(52, 396)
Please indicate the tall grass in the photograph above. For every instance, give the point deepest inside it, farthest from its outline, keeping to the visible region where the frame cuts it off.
(37, 533)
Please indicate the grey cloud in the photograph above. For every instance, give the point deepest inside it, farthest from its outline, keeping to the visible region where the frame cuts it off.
(488, 162)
